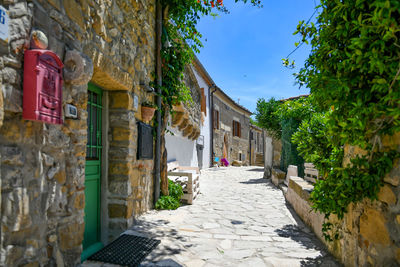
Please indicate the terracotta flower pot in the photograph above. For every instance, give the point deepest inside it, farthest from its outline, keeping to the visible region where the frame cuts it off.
(147, 113)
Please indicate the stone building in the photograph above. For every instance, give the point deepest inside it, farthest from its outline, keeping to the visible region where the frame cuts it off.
(184, 127)
(231, 127)
(108, 51)
(204, 143)
(256, 142)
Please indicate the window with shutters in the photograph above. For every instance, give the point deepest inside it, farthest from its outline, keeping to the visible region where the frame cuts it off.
(236, 128)
(216, 119)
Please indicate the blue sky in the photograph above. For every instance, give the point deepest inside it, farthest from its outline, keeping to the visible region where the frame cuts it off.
(243, 50)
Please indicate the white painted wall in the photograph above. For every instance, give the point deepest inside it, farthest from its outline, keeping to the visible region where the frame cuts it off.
(206, 127)
(184, 150)
(180, 148)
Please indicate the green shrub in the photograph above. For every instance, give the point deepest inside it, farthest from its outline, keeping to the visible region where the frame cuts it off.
(175, 190)
(170, 202)
(167, 203)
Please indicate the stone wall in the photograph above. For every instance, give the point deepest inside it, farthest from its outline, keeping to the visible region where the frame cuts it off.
(236, 145)
(194, 108)
(272, 152)
(370, 230)
(43, 165)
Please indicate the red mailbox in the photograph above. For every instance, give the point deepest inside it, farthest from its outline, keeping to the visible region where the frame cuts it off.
(42, 99)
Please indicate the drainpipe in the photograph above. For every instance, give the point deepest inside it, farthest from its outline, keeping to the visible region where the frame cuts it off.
(250, 144)
(213, 86)
(157, 159)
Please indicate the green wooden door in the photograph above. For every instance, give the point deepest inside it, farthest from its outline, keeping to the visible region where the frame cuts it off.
(92, 241)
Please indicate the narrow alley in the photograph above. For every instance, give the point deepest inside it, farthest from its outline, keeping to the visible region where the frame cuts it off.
(240, 219)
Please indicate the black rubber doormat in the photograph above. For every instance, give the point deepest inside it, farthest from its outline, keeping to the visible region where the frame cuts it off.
(126, 250)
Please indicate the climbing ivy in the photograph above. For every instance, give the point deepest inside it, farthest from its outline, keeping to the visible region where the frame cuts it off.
(352, 71)
(180, 40)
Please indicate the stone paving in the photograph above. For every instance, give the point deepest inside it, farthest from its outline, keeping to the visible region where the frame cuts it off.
(239, 219)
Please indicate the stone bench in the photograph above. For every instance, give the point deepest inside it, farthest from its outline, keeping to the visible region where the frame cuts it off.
(310, 173)
(187, 177)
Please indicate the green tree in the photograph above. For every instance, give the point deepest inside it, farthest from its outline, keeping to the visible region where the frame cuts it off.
(353, 71)
(267, 116)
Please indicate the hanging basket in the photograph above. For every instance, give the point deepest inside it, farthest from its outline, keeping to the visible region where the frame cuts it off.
(147, 113)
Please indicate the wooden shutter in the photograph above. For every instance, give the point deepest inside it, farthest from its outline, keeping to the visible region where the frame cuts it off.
(203, 102)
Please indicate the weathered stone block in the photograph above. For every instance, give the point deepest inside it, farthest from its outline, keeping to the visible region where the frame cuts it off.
(391, 141)
(237, 163)
(398, 255)
(122, 119)
(1, 105)
(12, 99)
(123, 100)
(301, 187)
(393, 177)
(74, 12)
(18, 10)
(278, 176)
(386, 195)
(32, 264)
(55, 3)
(106, 73)
(121, 188)
(121, 210)
(138, 193)
(60, 177)
(14, 254)
(120, 168)
(79, 201)
(122, 134)
(78, 69)
(373, 227)
(11, 155)
(71, 236)
(122, 153)
(15, 209)
(135, 178)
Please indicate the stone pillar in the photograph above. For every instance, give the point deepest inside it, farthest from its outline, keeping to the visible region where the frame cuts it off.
(268, 157)
(123, 176)
(292, 171)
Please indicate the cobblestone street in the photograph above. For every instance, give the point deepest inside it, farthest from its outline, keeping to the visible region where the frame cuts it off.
(239, 219)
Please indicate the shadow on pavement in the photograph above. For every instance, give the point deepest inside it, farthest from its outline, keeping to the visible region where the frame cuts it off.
(255, 181)
(300, 233)
(162, 263)
(159, 256)
(295, 233)
(319, 262)
(261, 169)
(267, 183)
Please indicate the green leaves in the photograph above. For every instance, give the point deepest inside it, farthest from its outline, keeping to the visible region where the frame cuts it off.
(267, 116)
(181, 39)
(353, 68)
(170, 202)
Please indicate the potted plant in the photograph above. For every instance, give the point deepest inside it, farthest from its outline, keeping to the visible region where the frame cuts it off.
(148, 108)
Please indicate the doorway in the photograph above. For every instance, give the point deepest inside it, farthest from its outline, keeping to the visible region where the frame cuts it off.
(92, 236)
